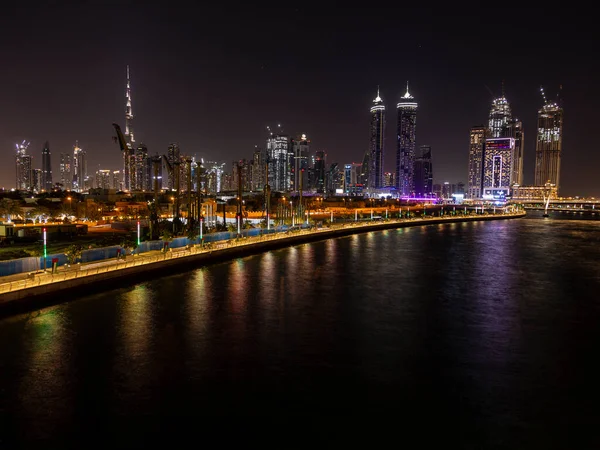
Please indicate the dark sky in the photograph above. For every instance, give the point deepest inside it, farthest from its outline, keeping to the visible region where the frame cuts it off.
(212, 78)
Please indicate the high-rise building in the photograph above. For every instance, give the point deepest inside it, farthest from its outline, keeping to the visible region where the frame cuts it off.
(477, 144)
(500, 116)
(497, 168)
(279, 162)
(23, 167)
(117, 180)
(366, 167)
(515, 131)
(141, 180)
(502, 124)
(353, 179)
(301, 150)
(334, 179)
(423, 172)
(389, 179)
(66, 178)
(173, 156)
(405, 154)
(319, 171)
(258, 170)
(129, 154)
(377, 143)
(79, 169)
(46, 168)
(103, 179)
(36, 180)
(214, 177)
(548, 148)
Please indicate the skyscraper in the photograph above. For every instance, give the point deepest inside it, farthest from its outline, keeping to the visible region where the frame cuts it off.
(502, 124)
(129, 153)
(279, 163)
(477, 143)
(141, 181)
(36, 180)
(405, 154)
(301, 150)
(66, 178)
(548, 148)
(319, 171)
(46, 169)
(23, 167)
(79, 170)
(103, 179)
(500, 116)
(258, 169)
(173, 156)
(497, 168)
(377, 143)
(423, 172)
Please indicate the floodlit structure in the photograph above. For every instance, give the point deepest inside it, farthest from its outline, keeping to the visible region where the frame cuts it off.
(548, 149)
(377, 143)
(405, 153)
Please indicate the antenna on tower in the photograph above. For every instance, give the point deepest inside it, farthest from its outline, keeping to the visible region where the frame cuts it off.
(543, 94)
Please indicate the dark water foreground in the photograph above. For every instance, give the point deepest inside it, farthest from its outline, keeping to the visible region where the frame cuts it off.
(479, 335)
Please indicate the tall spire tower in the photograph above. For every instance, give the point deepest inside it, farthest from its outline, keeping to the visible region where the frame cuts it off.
(406, 137)
(129, 153)
(128, 113)
(377, 140)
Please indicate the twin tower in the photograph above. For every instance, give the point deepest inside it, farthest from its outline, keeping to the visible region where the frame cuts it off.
(404, 179)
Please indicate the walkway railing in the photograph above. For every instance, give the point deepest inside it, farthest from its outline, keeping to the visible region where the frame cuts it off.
(65, 273)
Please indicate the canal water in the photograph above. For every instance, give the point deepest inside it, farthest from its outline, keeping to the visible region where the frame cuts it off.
(482, 334)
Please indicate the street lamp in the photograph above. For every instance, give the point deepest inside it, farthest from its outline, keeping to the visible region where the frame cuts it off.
(70, 208)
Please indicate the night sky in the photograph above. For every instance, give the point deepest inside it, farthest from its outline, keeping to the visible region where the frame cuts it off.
(213, 78)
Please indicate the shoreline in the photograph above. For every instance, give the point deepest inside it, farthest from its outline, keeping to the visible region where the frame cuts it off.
(48, 289)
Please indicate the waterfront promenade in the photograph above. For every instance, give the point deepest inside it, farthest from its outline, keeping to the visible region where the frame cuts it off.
(21, 287)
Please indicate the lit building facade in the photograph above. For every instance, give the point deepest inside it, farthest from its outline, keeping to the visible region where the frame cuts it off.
(66, 177)
(117, 180)
(141, 180)
(279, 162)
(497, 168)
(23, 167)
(319, 171)
(377, 142)
(476, 145)
(129, 153)
(79, 169)
(301, 151)
(389, 179)
(173, 157)
(353, 181)
(36, 180)
(103, 179)
(423, 173)
(46, 168)
(548, 149)
(405, 152)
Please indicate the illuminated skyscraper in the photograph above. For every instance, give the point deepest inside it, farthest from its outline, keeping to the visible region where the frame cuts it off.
(46, 169)
(141, 180)
(497, 168)
(477, 143)
(423, 173)
(129, 171)
(258, 169)
(173, 156)
(548, 149)
(405, 153)
(279, 162)
(319, 171)
(377, 143)
(36, 180)
(66, 178)
(23, 167)
(103, 179)
(500, 115)
(79, 170)
(502, 124)
(301, 150)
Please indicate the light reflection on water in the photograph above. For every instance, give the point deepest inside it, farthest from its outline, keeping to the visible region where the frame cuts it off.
(489, 326)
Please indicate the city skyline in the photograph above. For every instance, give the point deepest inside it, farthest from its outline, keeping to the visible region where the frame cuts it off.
(219, 114)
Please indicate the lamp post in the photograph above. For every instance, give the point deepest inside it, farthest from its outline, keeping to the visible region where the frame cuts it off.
(138, 233)
(356, 215)
(45, 253)
(70, 206)
(201, 220)
(331, 216)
